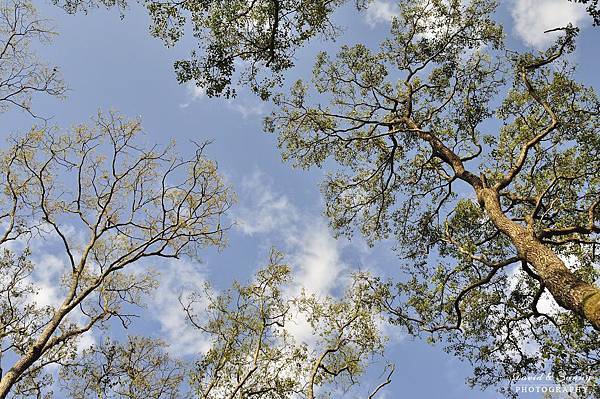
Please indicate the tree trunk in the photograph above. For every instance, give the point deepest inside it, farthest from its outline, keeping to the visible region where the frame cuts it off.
(568, 291)
(34, 353)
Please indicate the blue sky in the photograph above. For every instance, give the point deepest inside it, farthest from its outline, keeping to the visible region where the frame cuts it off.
(109, 63)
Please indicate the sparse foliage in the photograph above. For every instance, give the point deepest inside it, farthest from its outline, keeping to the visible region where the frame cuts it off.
(21, 72)
(138, 369)
(254, 352)
(126, 204)
(255, 348)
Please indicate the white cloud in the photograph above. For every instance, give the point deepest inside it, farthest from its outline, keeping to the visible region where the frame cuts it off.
(316, 257)
(246, 108)
(86, 340)
(312, 252)
(193, 93)
(264, 211)
(178, 279)
(46, 278)
(316, 260)
(533, 17)
(546, 303)
(381, 12)
(317, 269)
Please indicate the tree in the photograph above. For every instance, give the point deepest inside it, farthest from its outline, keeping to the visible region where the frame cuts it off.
(112, 203)
(483, 164)
(128, 204)
(261, 35)
(254, 354)
(21, 73)
(139, 368)
(248, 42)
(406, 124)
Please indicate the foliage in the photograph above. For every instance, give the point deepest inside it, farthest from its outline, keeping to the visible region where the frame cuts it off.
(482, 163)
(253, 42)
(254, 352)
(126, 203)
(139, 368)
(248, 36)
(21, 73)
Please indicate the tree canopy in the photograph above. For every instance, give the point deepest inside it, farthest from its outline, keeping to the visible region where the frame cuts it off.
(126, 202)
(254, 353)
(244, 42)
(480, 162)
(483, 164)
(250, 42)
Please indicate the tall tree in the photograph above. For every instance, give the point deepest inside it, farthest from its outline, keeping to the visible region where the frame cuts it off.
(126, 204)
(483, 163)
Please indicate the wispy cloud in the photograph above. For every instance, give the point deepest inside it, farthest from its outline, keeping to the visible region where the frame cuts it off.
(381, 11)
(178, 279)
(263, 210)
(311, 250)
(533, 17)
(246, 108)
(46, 278)
(50, 293)
(193, 93)
(317, 260)
(318, 270)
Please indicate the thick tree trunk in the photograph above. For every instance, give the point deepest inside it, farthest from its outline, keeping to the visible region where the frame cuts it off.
(569, 291)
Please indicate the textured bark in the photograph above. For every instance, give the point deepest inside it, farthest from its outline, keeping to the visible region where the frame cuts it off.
(569, 291)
